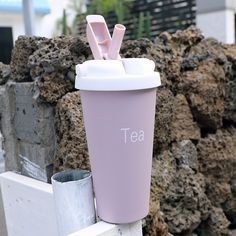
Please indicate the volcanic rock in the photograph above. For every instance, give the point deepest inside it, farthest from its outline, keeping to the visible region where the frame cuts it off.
(72, 151)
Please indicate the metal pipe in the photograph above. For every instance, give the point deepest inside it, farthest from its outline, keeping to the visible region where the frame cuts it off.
(28, 13)
(74, 201)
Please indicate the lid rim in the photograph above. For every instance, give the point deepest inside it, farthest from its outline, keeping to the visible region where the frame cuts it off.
(118, 84)
(117, 75)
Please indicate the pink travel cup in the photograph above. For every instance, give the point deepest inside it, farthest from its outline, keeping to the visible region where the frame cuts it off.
(118, 99)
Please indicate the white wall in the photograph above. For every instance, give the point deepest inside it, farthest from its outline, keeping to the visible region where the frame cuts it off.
(45, 25)
(219, 24)
(48, 22)
(15, 20)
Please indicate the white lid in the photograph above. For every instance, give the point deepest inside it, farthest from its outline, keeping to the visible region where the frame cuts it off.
(117, 75)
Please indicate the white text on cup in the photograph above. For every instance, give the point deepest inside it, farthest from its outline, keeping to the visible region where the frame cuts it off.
(132, 135)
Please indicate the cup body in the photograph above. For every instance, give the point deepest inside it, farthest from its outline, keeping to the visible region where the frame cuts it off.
(119, 128)
(74, 201)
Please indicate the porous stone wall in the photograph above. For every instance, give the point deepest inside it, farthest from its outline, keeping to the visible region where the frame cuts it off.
(193, 188)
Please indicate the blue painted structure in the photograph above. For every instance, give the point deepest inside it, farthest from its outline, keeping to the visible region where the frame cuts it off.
(40, 6)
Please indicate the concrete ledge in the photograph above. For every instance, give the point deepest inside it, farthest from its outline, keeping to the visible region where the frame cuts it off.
(105, 229)
(28, 206)
(3, 227)
(29, 210)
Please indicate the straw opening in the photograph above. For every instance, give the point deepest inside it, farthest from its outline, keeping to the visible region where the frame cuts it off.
(71, 175)
(120, 26)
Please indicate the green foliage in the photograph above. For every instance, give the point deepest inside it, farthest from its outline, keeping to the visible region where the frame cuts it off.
(64, 23)
(140, 25)
(148, 24)
(103, 7)
(143, 25)
(62, 27)
(74, 8)
(121, 8)
(120, 11)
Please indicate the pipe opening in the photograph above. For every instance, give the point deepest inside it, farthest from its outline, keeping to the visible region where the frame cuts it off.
(71, 175)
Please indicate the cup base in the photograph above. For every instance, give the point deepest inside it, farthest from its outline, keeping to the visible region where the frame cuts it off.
(123, 219)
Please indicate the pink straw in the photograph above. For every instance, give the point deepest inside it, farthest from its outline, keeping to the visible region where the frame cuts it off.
(100, 41)
(116, 41)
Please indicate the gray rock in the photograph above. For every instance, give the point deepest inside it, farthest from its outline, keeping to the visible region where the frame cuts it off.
(72, 150)
(230, 84)
(204, 89)
(185, 204)
(216, 225)
(230, 98)
(163, 172)
(164, 114)
(216, 155)
(205, 50)
(183, 127)
(24, 47)
(185, 153)
(5, 72)
(53, 65)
